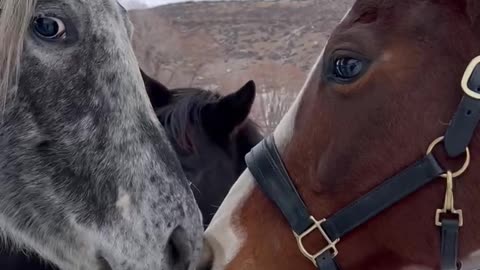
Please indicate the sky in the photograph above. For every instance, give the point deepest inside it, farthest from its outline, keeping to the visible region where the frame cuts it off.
(146, 4)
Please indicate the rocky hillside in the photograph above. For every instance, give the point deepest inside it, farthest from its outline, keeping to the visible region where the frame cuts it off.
(220, 46)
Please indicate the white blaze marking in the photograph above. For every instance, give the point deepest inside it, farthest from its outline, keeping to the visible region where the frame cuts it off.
(221, 235)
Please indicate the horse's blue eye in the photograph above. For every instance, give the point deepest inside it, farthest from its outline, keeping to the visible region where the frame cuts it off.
(49, 28)
(347, 68)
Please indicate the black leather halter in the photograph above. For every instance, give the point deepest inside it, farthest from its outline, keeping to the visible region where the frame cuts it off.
(265, 164)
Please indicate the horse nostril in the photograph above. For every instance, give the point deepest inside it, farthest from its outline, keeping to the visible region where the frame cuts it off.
(177, 249)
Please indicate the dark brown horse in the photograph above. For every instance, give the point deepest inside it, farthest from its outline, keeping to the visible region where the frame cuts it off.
(210, 133)
(386, 85)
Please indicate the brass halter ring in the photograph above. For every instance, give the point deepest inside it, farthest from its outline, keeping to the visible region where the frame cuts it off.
(465, 164)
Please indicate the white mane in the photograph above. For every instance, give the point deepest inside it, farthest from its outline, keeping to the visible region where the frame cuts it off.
(14, 23)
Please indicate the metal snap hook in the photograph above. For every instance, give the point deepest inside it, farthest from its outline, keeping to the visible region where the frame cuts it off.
(448, 205)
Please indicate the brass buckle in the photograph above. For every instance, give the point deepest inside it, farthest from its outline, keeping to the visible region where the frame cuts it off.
(331, 245)
(466, 78)
(448, 207)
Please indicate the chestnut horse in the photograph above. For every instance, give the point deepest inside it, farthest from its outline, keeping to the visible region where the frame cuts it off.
(386, 85)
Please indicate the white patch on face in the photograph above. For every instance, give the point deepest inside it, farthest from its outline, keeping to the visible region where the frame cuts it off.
(224, 240)
(123, 203)
(472, 261)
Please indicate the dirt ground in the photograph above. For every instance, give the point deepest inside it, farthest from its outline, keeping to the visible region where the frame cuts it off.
(220, 46)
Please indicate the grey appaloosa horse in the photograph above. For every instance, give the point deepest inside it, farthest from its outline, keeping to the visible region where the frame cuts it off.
(88, 179)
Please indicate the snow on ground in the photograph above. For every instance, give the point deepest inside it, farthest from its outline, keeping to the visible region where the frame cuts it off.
(146, 4)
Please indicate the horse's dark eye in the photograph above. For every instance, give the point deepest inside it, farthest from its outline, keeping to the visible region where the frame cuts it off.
(49, 28)
(347, 68)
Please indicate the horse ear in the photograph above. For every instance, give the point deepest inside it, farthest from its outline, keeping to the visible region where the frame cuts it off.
(158, 93)
(223, 116)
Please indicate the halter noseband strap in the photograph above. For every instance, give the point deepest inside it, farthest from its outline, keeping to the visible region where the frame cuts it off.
(265, 164)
